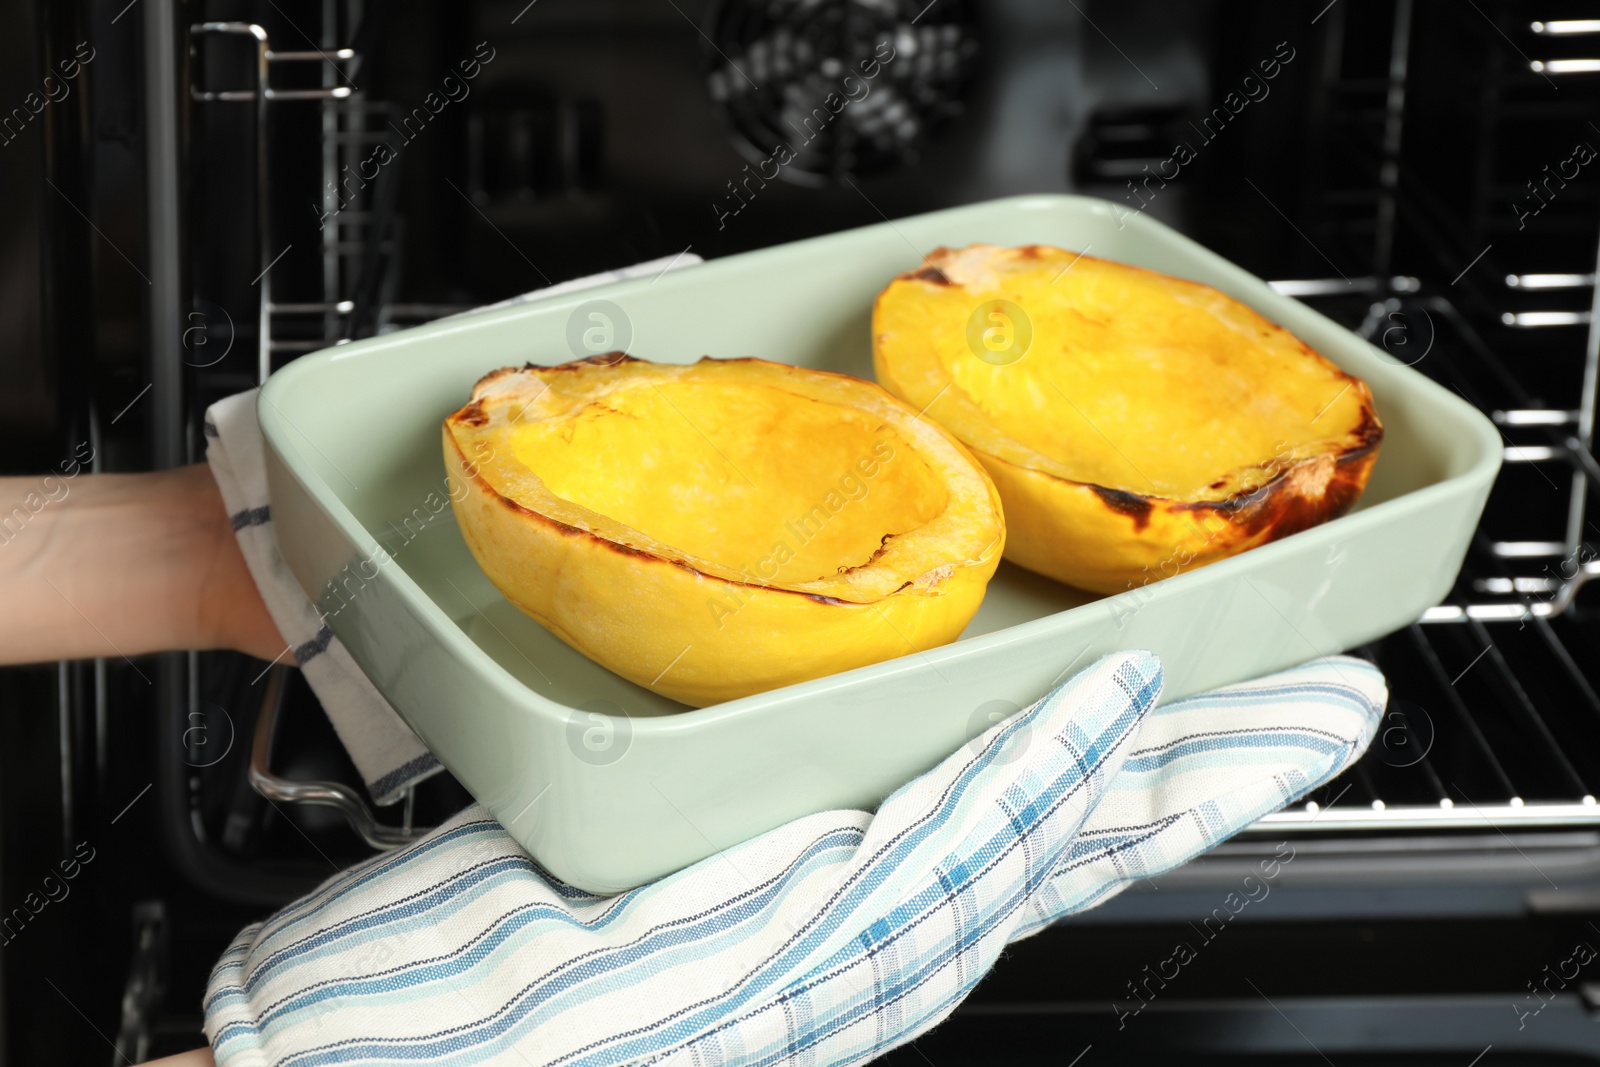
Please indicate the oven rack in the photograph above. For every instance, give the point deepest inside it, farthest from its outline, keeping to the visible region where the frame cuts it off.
(1494, 717)
(262, 93)
(1486, 728)
(1557, 439)
(356, 230)
(352, 234)
(1544, 569)
(1565, 29)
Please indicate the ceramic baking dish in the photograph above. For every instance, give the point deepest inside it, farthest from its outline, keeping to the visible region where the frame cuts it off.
(608, 785)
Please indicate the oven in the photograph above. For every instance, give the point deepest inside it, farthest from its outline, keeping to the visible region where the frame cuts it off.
(223, 185)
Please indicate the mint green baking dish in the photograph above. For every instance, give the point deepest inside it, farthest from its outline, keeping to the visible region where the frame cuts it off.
(609, 786)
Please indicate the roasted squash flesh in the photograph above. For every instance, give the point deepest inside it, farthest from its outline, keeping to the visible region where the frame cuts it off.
(716, 471)
(1127, 413)
(718, 529)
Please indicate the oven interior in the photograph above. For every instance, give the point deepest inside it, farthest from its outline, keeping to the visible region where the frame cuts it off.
(1417, 169)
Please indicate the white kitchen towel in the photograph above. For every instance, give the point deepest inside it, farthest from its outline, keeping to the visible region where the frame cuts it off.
(826, 941)
(387, 754)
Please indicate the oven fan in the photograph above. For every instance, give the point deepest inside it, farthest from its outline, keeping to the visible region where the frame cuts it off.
(776, 63)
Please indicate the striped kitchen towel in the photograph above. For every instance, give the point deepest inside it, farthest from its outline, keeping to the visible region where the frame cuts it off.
(387, 754)
(826, 941)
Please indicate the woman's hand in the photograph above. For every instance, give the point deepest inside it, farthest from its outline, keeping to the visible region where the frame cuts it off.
(123, 564)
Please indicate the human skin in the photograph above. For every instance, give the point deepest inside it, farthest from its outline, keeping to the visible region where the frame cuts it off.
(119, 565)
(200, 1057)
(123, 564)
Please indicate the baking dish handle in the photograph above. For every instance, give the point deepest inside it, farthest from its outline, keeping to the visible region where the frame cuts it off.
(343, 799)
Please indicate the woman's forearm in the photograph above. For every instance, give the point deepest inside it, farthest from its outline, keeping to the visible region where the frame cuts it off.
(123, 564)
(200, 1057)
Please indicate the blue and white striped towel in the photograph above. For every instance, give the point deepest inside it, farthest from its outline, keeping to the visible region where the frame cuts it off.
(826, 941)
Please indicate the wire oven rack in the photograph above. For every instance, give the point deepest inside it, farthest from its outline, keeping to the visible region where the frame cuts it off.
(354, 229)
(1494, 717)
